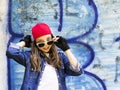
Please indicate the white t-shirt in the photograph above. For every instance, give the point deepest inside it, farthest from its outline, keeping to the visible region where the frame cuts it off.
(49, 80)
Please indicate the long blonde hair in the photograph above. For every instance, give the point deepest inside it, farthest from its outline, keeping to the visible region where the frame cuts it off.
(35, 58)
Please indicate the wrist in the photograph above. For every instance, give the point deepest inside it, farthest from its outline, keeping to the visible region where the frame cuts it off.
(65, 48)
(66, 51)
(21, 44)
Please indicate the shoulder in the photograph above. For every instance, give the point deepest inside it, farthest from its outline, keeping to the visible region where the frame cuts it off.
(60, 52)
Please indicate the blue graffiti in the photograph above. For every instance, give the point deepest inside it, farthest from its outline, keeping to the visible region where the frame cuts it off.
(117, 39)
(61, 15)
(73, 40)
(20, 21)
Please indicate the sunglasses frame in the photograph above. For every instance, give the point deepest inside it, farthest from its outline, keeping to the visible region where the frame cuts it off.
(42, 44)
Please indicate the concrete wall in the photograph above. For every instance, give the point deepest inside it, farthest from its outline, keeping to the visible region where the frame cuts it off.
(96, 50)
(3, 44)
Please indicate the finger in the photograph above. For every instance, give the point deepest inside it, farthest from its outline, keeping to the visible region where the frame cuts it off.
(55, 39)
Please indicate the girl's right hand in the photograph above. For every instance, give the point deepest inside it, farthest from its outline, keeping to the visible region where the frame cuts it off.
(27, 39)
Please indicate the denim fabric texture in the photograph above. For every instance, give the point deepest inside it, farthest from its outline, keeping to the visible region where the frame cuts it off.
(31, 77)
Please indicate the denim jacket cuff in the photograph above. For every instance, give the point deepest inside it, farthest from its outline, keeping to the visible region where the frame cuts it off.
(76, 69)
(13, 45)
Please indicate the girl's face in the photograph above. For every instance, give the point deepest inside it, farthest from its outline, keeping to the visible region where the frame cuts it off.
(44, 43)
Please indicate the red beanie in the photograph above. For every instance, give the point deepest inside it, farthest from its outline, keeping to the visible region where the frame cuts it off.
(40, 29)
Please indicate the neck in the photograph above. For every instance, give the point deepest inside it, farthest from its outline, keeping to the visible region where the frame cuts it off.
(47, 54)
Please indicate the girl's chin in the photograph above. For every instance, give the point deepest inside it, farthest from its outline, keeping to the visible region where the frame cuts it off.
(46, 51)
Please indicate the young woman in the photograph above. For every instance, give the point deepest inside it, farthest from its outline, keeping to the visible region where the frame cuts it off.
(46, 66)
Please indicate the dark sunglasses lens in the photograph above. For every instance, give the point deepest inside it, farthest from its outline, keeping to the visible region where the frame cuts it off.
(40, 44)
(50, 42)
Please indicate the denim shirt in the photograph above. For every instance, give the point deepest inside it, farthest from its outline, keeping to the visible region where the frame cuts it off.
(31, 77)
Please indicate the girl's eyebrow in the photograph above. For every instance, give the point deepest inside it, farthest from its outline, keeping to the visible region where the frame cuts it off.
(49, 38)
(40, 41)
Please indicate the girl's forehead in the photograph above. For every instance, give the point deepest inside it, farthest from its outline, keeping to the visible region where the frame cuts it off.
(45, 37)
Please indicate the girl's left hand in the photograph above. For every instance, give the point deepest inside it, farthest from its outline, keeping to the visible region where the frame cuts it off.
(61, 43)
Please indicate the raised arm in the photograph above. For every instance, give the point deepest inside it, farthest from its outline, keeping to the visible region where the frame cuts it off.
(62, 43)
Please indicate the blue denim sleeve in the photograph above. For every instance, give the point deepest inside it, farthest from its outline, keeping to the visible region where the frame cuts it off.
(15, 52)
(70, 70)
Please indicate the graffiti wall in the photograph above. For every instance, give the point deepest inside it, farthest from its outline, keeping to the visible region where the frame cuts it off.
(92, 28)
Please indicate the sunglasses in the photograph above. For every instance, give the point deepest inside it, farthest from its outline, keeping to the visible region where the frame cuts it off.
(41, 44)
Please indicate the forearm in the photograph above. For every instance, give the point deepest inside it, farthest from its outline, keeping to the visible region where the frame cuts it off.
(73, 61)
(21, 44)
(14, 52)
